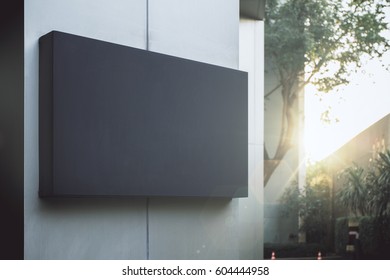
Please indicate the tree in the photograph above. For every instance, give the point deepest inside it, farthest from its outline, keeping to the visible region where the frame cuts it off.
(312, 203)
(319, 42)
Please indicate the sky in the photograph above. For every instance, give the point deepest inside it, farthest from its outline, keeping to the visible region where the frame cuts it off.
(363, 102)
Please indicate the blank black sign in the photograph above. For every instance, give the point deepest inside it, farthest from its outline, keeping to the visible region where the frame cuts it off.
(119, 121)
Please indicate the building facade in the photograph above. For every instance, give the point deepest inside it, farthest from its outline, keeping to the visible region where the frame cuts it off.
(126, 228)
(361, 150)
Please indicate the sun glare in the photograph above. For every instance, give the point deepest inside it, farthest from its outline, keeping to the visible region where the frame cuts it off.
(350, 110)
(332, 119)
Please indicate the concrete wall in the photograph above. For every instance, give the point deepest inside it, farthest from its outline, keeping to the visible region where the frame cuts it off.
(251, 211)
(177, 228)
(78, 228)
(363, 147)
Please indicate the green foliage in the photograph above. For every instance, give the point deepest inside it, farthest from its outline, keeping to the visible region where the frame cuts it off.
(369, 236)
(327, 38)
(354, 193)
(312, 203)
(341, 235)
(367, 193)
(374, 237)
(319, 42)
(379, 182)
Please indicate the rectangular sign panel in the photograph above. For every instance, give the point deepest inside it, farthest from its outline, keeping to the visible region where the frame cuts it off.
(120, 121)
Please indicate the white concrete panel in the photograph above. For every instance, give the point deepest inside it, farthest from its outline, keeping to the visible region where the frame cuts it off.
(117, 21)
(252, 61)
(251, 212)
(247, 49)
(205, 31)
(201, 30)
(193, 229)
(85, 229)
(259, 82)
(78, 228)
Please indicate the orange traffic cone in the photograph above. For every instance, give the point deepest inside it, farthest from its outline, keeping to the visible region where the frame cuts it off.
(319, 257)
(273, 256)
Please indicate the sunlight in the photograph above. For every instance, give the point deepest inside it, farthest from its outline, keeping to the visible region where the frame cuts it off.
(349, 111)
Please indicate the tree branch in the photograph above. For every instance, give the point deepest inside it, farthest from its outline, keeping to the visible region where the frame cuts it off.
(273, 90)
(323, 59)
(286, 132)
(266, 155)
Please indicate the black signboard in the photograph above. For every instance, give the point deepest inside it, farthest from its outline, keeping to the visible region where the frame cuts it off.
(120, 121)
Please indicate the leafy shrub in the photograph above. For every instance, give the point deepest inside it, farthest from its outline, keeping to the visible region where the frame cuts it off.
(379, 179)
(312, 203)
(355, 191)
(341, 235)
(368, 235)
(375, 234)
(374, 237)
(367, 193)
